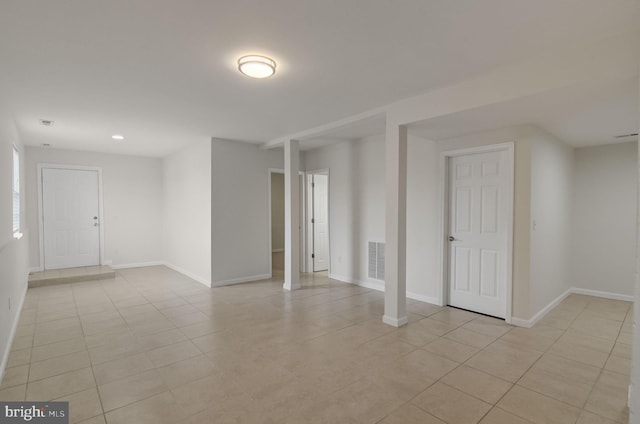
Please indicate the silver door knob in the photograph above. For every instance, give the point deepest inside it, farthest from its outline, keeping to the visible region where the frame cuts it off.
(451, 238)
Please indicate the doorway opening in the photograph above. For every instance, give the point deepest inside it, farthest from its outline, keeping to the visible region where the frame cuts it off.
(70, 210)
(277, 223)
(477, 229)
(318, 221)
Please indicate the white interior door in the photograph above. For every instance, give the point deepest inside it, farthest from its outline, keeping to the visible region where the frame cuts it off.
(71, 211)
(478, 231)
(320, 222)
(301, 221)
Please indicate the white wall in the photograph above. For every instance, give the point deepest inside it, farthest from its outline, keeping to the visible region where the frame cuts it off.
(634, 407)
(544, 193)
(186, 203)
(13, 252)
(356, 203)
(423, 220)
(356, 210)
(277, 211)
(240, 226)
(604, 221)
(552, 188)
(132, 191)
(521, 135)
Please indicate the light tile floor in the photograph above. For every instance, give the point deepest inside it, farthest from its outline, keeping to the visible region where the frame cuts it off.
(152, 346)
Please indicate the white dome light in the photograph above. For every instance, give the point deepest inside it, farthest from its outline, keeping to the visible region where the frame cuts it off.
(257, 66)
(117, 137)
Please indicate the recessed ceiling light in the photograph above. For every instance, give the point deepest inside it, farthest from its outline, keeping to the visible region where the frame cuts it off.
(255, 66)
(117, 137)
(46, 122)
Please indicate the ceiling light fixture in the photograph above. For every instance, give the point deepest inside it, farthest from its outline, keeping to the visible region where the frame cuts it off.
(46, 122)
(117, 137)
(255, 66)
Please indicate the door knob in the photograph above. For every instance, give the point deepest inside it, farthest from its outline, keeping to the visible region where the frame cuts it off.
(95, 217)
(451, 238)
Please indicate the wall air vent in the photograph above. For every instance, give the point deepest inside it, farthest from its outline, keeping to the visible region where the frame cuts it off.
(376, 260)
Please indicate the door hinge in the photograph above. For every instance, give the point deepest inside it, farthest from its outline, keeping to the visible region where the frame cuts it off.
(313, 185)
(313, 255)
(313, 221)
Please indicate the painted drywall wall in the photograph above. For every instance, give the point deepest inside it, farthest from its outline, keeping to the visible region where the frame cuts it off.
(543, 189)
(634, 389)
(423, 220)
(604, 219)
(186, 202)
(356, 210)
(14, 253)
(277, 212)
(346, 216)
(522, 205)
(552, 187)
(240, 226)
(132, 193)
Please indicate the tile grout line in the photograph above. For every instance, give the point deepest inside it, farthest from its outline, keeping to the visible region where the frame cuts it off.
(140, 288)
(602, 369)
(93, 374)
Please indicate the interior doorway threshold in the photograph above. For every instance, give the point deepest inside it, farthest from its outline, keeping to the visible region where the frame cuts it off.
(70, 275)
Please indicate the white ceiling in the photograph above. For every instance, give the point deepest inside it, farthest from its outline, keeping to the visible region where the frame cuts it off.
(163, 73)
(580, 115)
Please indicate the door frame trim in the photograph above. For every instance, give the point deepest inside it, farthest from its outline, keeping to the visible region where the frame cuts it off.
(509, 147)
(40, 167)
(303, 212)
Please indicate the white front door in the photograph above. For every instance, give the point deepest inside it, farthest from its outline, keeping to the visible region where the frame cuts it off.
(70, 207)
(320, 222)
(478, 231)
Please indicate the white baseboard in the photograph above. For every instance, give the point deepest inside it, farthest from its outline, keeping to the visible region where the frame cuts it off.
(380, 287)
(603, 294)
(395, 322)
(423, 298)
(188, 274)
(138, 265)
(14, 328)
(367, 284)
(35, 269)
(241, 280)
(296, 286)
(528, 323)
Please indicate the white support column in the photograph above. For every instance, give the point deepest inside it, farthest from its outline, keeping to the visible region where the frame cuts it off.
(291, 215)
(395, 286)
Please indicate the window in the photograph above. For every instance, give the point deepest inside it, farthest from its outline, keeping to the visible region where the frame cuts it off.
(16, 192)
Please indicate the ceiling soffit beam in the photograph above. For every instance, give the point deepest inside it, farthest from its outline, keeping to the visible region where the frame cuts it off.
(323, 129)
(614, 58)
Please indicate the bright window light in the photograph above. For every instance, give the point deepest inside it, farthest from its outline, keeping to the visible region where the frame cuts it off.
(16, 192)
